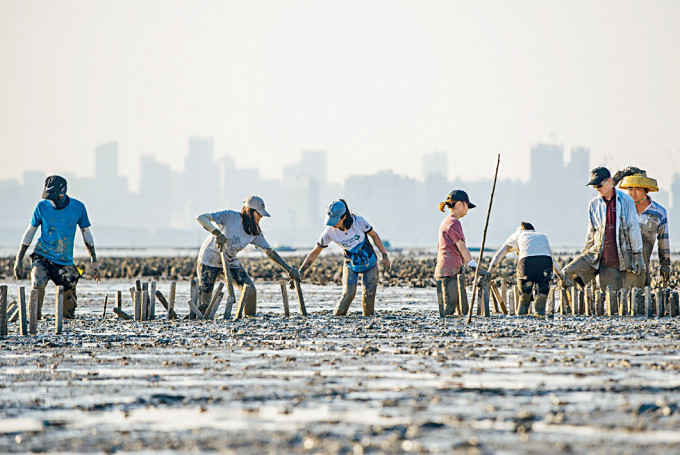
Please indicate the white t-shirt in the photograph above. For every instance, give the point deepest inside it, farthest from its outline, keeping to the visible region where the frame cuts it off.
(358, 248)
(529, 243)
(229, 223)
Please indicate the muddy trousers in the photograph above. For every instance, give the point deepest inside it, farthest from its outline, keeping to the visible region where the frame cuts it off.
(350, 279)
(447, 286)
(207, 275)
(582, 272)
(43, 271)
(534, 270)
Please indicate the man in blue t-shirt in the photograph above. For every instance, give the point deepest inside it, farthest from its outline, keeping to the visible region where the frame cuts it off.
(52, 259)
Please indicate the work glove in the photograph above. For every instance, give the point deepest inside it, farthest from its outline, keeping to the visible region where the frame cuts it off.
(385, 263)
(220, 240)
(665, 271)
(472, 265)
(18, 269)
(96, 271)
(293, 274)
(638, 264)
(301, 273)
(566, 282)
(630, 170)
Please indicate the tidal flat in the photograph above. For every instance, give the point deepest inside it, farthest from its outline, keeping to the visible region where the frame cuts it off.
(400, 382)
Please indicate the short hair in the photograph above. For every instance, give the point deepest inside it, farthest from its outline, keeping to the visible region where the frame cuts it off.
(526, 226)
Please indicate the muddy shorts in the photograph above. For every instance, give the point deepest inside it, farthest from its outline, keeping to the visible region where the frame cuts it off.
(207, 275)
(43, 271)
(534, 270)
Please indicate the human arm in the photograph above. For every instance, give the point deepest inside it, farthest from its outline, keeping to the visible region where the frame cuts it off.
(467, 256)
(378, 243)
(206, 220)
(498, 257)
(89, 244)
(664, 249)
(274, 256)
(309, 260)
(25, 243)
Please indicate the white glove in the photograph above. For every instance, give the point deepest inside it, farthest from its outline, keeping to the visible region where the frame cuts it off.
(472, 264)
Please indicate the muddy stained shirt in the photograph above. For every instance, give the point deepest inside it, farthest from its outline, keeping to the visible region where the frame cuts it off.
(449, 258)
(528, 243)
(229, 223)
(358, 249)
(58, 229)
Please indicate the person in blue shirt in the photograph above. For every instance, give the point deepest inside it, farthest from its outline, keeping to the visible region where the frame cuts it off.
(57, 216)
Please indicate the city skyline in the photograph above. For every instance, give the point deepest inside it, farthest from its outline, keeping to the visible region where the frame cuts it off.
(163, 211)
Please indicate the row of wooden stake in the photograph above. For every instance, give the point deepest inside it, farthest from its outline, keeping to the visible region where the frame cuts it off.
(27, 316)
(572, 301)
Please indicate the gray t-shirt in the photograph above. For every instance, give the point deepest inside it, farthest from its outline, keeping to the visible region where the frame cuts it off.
(229, 223)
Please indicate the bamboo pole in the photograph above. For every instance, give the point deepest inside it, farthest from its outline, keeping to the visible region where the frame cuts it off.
(59, 310)
(481, 250)
(3, 310)
(284, 295)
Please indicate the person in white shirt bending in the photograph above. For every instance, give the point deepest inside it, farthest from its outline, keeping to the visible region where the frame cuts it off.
(351, 232)
(535, 265)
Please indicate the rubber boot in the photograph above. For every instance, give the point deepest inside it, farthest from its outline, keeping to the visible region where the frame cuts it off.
(539, 304)
(368, 304)
(249, 298)
(524, 303)
(70, 304)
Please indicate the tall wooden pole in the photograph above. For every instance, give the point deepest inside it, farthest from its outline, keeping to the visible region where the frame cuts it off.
(481, 251)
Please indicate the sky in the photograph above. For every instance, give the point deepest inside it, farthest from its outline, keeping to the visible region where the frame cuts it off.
(376, 84)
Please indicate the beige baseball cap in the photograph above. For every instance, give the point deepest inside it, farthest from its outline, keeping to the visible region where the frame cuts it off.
(256, 203)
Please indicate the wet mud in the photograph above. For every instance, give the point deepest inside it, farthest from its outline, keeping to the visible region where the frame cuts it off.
(404, 381)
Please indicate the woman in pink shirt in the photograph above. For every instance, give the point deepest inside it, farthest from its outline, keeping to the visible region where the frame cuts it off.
(452, 254)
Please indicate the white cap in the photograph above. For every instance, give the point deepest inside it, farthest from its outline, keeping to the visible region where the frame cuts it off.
(256, 203)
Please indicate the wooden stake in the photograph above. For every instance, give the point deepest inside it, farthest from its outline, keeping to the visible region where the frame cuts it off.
(122, 314)
(623, 302)
(504, 294)
(635, 297)
(511, 302)
(152, 301)
(550, 304)
(498, 298)
(485, 296)
(218, 300)
(166, 305)
(106, 300)
(171, 302)
(599, 303)
(33, 312)
(648, 301)
(59, 310)
(119, 300)
(660, 310)
(145, 301)
(3, 310)
(137, 298)
(194, 309)
(23, 317)
(573, 291)
(286, 309)
(213, 301)
(301, 300)
(675, 304)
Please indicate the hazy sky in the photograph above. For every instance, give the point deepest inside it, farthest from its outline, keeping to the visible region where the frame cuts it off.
(374, 83)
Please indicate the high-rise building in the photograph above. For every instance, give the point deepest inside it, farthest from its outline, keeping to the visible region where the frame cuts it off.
(435, 163)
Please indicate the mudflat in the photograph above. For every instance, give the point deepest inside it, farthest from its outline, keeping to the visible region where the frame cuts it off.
(402, 381)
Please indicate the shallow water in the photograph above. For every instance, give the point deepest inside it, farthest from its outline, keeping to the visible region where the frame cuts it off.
(404, 381)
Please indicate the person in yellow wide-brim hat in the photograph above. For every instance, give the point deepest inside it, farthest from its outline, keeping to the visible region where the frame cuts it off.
(652, 218)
